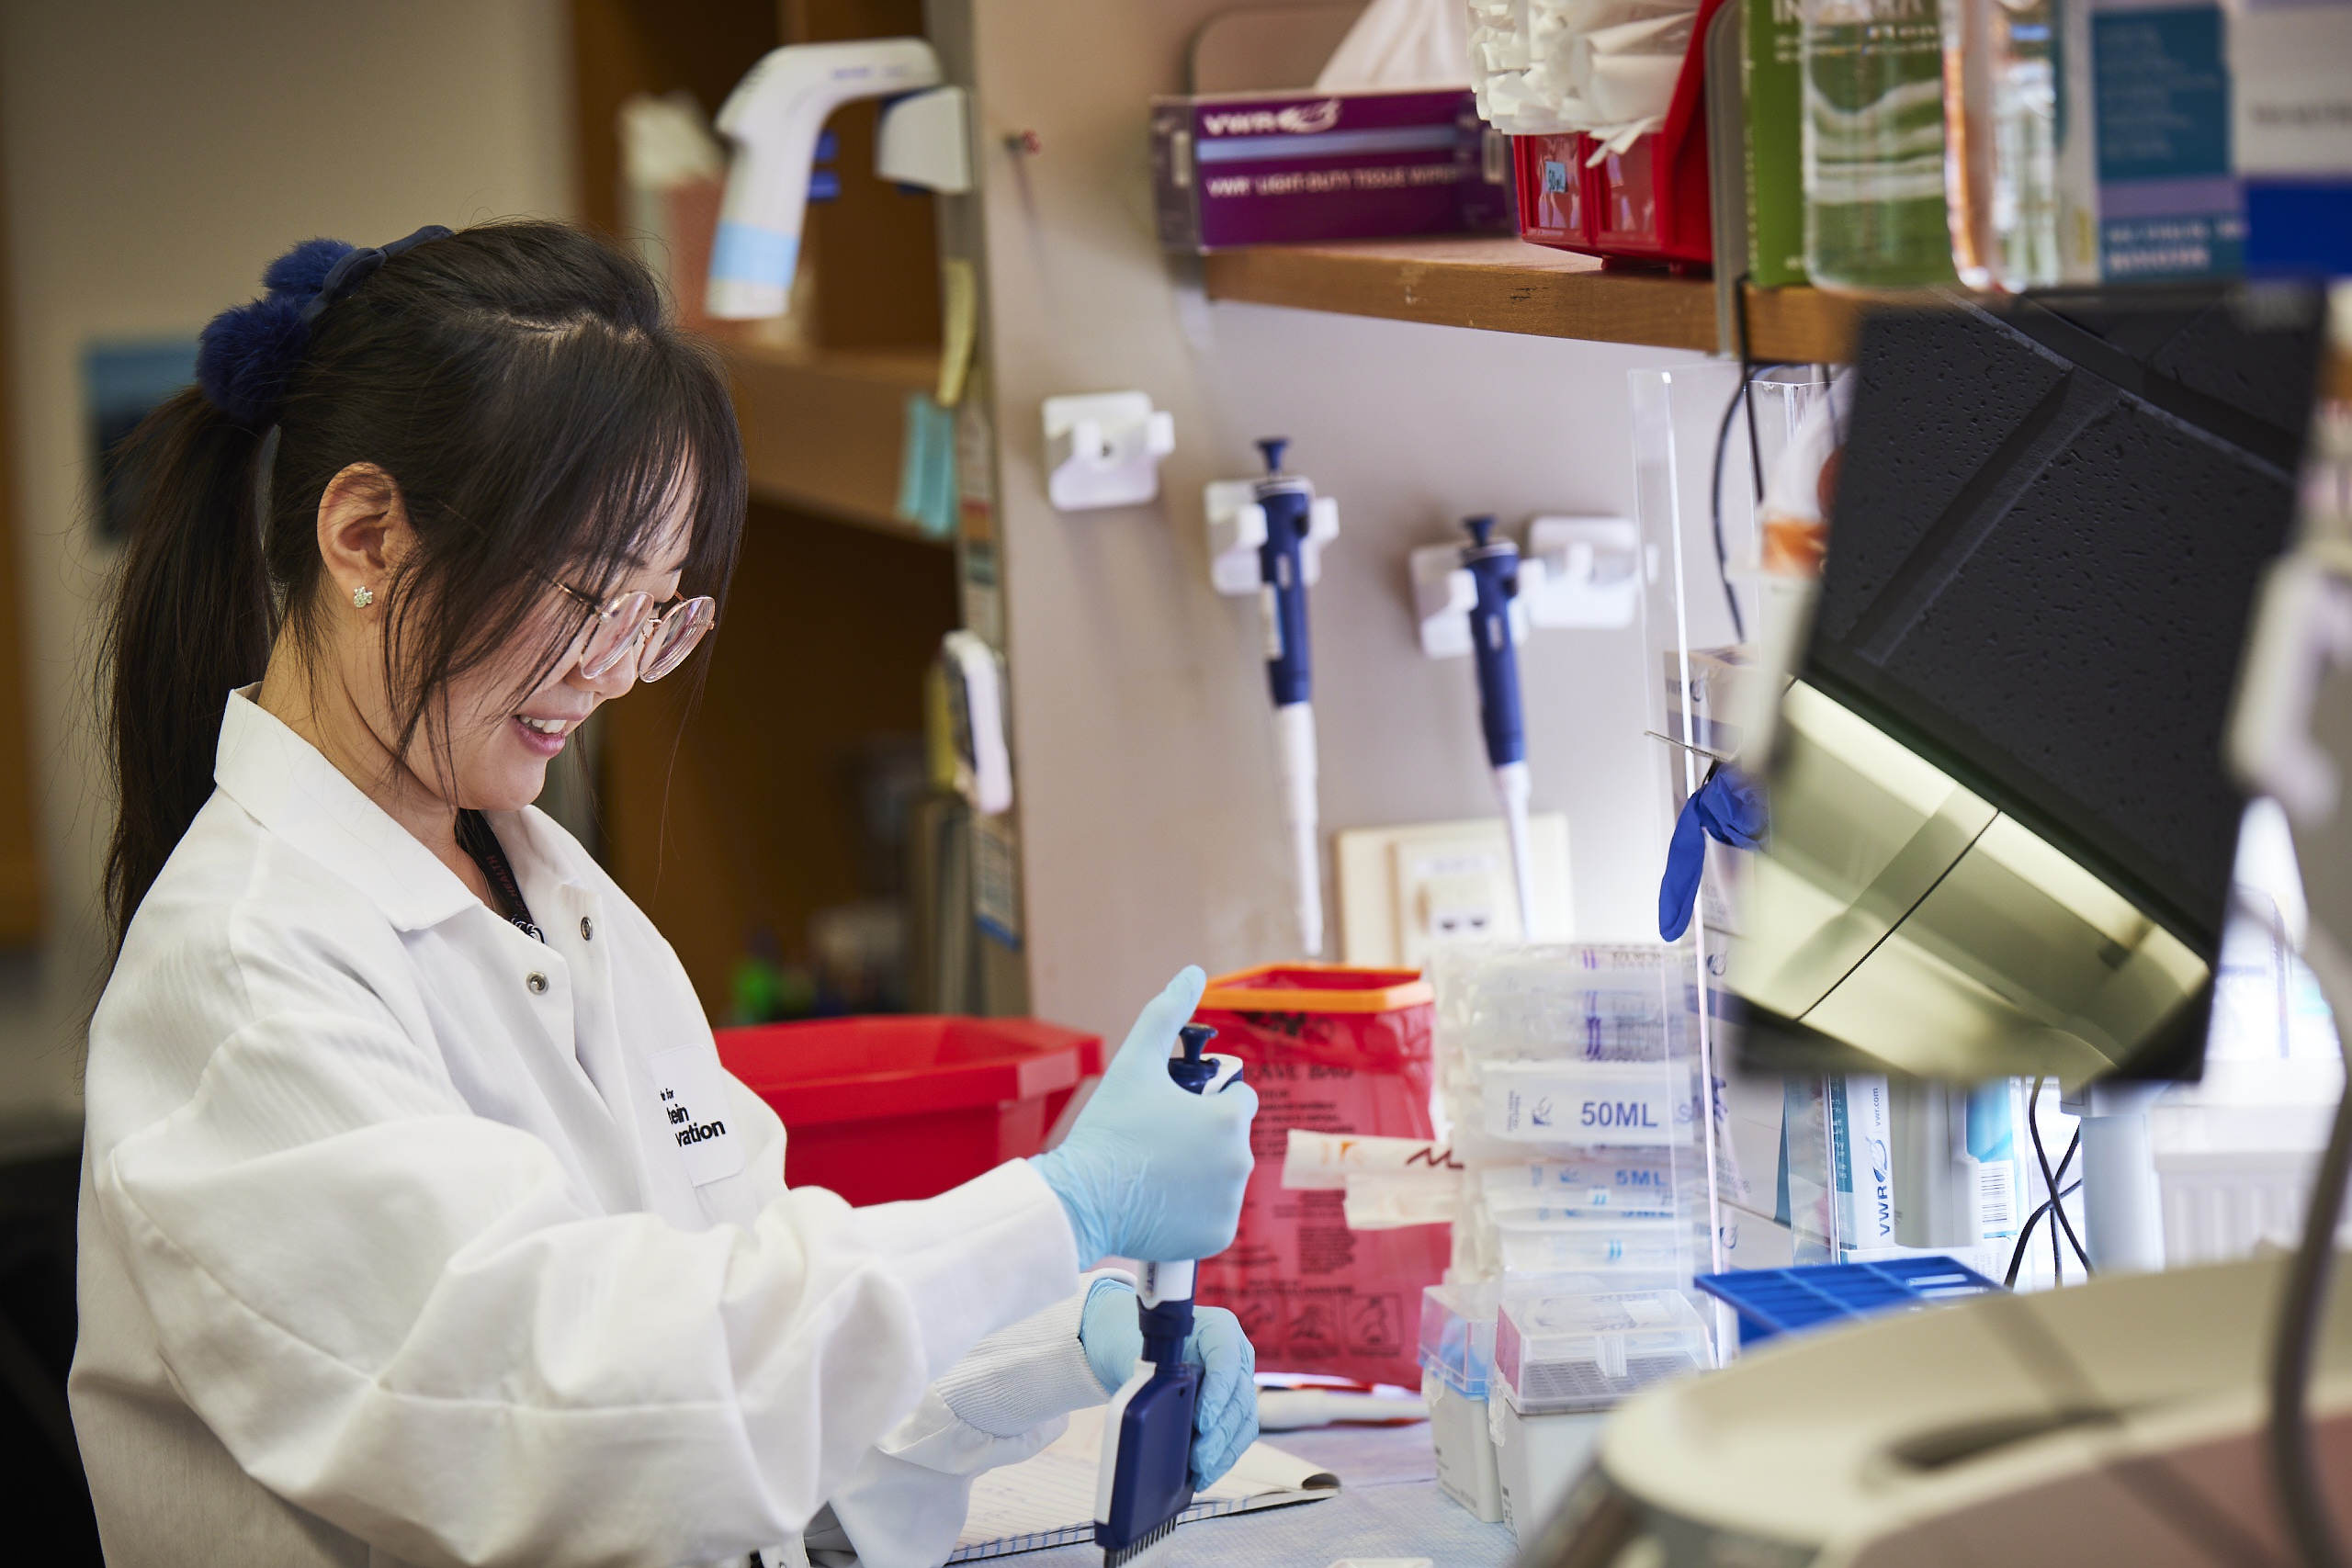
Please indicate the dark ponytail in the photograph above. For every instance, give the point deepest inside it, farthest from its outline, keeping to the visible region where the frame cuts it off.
(521, 385)
(191, 620)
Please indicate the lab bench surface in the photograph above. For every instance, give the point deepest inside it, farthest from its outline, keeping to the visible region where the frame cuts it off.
(1388, 1506)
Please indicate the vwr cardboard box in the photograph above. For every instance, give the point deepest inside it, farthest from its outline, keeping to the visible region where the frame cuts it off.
(1274, 168)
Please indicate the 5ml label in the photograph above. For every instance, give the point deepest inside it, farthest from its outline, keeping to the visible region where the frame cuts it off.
(1586, 1103)
(693, 1103)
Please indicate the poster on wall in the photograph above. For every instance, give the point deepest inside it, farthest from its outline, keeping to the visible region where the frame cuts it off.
(122, 382)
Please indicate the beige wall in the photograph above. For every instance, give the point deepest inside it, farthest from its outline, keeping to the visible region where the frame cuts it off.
(1152, 835)
(158, 153)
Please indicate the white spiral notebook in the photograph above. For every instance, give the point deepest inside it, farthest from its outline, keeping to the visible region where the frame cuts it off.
(1049, 1498)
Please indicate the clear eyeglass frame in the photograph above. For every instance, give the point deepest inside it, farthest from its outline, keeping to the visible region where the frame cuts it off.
(629, 623)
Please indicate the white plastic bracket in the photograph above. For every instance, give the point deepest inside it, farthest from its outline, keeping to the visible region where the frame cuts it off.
(1237, 529)
(1104, 449)
(1443, 595)
(1588, 572)
(924, 139)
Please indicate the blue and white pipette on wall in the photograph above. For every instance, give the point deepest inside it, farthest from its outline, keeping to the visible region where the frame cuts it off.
(1493, 565)
(1287, 500)
(1266, 537)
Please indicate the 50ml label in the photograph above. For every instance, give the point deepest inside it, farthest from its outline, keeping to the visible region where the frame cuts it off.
(1634, 1103)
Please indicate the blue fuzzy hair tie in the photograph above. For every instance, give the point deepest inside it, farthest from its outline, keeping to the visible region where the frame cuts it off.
(248, 353)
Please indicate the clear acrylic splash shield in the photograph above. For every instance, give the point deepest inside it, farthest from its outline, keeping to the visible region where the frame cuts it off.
(1718, 631)
(1693, 501)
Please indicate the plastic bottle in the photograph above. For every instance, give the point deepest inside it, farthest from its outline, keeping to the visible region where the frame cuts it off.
(1874, 211)
(2001, 136)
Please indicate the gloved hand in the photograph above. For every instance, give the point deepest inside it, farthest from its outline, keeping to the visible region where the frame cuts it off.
(1150, 1170)
(1728, 808)
(1226, 1420)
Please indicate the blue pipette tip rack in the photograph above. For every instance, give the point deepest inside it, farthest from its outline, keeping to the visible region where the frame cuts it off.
(1781, 1300)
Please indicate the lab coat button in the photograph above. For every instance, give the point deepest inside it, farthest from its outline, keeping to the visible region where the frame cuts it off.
(587, 929)
(538, 982)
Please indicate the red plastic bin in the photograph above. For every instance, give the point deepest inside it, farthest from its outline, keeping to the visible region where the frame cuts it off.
(1648, 203)
(884, 1108)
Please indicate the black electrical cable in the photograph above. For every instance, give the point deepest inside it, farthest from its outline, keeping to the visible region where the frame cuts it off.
(2025, 1232)
(1748, 370)
(2050, 1184)
(1740, 398)
(1715, 503)
(2295, 1470)
(2040, 1211)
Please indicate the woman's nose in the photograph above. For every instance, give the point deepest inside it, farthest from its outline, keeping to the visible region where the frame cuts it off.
(616, 679)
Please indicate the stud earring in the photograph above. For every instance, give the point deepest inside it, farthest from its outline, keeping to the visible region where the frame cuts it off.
(361, 597)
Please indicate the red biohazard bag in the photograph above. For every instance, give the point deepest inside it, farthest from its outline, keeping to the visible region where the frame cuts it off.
(1330, 1049)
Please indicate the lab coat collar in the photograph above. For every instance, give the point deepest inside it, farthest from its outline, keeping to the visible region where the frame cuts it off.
(543, 856)
(289, 788)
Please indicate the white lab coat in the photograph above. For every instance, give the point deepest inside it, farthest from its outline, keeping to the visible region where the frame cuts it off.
(390, 1252)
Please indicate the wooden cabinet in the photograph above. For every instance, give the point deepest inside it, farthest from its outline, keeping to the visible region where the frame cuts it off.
(724, 807)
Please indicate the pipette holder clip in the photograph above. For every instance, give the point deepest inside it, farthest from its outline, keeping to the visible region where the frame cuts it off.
(1104, 449)
(1579, 573)
(1237, 531)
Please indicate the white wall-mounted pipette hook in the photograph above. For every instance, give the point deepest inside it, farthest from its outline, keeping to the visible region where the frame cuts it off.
(1591, 576)
(1104, 449)
(1581, 573)
(924, 140)
(1238, 532)
(1443, 595)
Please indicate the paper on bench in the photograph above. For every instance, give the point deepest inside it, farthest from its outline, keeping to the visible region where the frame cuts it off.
(1049, 1498)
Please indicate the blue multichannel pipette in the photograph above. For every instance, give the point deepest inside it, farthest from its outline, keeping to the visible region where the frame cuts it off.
(1288, 503)
(1493, 565)
(1147, 1476)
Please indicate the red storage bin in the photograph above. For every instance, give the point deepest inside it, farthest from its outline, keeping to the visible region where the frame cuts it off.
(883, 1109)
(1648, 203)
(1331, 1049)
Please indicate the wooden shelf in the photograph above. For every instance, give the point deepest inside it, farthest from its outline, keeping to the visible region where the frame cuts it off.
(1505, 286)
(825, 432)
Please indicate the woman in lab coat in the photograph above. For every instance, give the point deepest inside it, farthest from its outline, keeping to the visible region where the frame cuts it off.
(419, 1222)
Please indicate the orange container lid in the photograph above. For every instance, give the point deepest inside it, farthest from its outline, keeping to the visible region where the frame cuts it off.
(1317, 988)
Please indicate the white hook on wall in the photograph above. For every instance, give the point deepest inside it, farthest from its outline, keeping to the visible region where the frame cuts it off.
(1104, 449)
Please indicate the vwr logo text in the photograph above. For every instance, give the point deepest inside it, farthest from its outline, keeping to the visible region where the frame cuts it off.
(1297, 120)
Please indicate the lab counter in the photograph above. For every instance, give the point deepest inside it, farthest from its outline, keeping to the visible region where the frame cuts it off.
(1388, 1506)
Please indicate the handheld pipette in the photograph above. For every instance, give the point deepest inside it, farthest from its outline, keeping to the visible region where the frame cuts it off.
(1288, 503)
(1493, 565)
(1147, 1475)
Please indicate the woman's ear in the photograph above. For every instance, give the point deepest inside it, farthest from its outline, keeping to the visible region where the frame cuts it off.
(364, 532)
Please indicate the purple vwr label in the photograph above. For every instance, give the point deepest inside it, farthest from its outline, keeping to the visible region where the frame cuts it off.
(1270, 169)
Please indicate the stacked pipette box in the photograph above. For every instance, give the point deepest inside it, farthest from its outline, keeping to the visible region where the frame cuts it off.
(1569, 1077)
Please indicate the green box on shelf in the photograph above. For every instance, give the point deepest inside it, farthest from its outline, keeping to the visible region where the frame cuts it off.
(1772, 80)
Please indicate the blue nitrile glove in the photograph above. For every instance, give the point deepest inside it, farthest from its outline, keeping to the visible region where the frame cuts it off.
(1226, 1420)
(1728, 808)
(1150, 1171)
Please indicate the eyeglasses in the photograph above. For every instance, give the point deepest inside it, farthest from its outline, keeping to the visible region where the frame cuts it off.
(630, 623)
